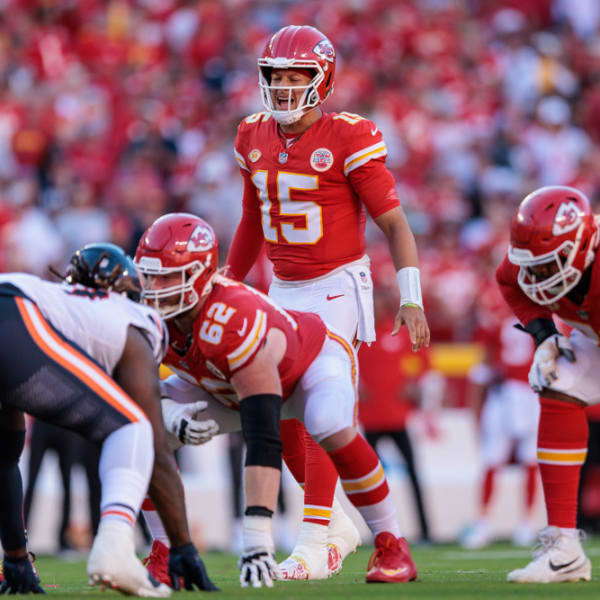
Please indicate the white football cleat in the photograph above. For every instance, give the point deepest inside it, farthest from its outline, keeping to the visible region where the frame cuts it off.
(477, 535)
(343, 538)
(112, 563)
(557, 557)
(308, 559)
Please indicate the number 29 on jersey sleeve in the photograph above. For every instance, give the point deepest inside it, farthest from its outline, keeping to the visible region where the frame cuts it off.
(286, 207)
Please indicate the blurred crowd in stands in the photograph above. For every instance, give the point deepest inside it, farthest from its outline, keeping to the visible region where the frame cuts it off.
(113, 112)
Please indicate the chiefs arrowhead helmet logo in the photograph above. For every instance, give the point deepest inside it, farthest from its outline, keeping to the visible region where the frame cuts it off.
(324, 50)
(568, 217)
(201, 239)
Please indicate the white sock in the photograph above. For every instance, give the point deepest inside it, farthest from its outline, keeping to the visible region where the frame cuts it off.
(156, 527)
(572, 533)
(125, 468)
(381, 517)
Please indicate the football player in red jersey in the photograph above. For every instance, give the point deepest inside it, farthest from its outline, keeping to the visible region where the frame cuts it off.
(252, 361)
(308, 177)
(551, 269)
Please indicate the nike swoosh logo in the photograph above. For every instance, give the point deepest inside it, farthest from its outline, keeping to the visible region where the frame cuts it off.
(559, 567)
(242, 331)
(374, 131)
(334, 297)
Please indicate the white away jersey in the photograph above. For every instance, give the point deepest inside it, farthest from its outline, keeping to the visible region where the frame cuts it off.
(95, 320)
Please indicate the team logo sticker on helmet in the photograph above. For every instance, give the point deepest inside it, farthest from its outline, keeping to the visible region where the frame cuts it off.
(254, 155)
(200, 240)
(568, 217)
(324, 49)
(321, 159)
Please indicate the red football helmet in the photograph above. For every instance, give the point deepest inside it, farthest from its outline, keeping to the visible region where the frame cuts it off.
(297, 47)
(553, 239)
(177, 243)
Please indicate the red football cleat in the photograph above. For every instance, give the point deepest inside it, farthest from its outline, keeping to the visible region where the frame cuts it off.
(157, 563)
(391, 562)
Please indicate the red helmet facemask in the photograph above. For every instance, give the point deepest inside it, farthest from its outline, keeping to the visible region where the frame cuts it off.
(553, 240)
(296, 47)
(177, 243)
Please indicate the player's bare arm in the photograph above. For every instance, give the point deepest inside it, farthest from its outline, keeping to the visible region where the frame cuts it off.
(137, 374)
(403, 250)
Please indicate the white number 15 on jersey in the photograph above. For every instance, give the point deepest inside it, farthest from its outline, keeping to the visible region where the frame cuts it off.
(287, 207)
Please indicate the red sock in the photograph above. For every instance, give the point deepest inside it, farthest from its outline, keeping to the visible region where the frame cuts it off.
(531, 477)
(312, 469)
(361, 472)
(562, 448)
(321, 479)
(293, 448)
(365, 485)
(487, 488)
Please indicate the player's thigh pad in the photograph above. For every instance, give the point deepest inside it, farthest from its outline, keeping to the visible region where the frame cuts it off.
(495, 439)
(325, 397)
(49, 377)
(185, 392)
(580, 379)
(333, 298)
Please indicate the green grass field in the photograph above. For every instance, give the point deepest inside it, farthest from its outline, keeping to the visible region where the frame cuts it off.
(445, 572)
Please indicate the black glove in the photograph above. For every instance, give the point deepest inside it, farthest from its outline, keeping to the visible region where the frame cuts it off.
(19, 577)
(185, 562)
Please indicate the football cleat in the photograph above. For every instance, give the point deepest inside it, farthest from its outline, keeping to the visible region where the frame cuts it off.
(391, 562)
(307, 561)
(342, 540)
(112, 563)
(157, 562)
(557, 557)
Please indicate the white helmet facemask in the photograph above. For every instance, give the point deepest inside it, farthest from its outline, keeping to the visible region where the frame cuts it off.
(310, 98)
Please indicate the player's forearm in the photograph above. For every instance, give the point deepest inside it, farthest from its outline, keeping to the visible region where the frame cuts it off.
(401, 241)
(167, 494)
(245, 247)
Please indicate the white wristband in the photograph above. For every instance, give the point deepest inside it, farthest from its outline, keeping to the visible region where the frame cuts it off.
(410, 286)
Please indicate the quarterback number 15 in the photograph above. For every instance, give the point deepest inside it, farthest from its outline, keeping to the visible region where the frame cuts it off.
(287, 208)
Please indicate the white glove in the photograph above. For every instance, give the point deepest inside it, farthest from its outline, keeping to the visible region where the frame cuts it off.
(181, 420)
(257, 562)
(543, 368)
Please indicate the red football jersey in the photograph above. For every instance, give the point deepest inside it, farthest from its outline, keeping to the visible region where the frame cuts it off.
(309, 196)
(584, 316)
(230, 330)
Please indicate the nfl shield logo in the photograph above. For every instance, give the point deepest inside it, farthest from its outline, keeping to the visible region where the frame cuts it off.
(363, 277)
(283, 157)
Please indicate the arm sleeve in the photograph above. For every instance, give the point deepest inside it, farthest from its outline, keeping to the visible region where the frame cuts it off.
(248, 238)
(524, 309)
(375, 186)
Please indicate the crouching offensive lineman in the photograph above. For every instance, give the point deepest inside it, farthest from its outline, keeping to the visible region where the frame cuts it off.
(552, 269)
(86, 359)
(251, 361)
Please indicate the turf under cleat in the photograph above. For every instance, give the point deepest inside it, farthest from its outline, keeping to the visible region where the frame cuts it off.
(113, 564)
(557, 557)
(391, 562)
(342, 540)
